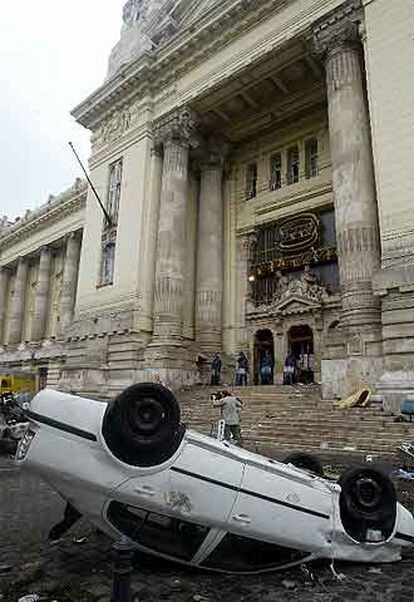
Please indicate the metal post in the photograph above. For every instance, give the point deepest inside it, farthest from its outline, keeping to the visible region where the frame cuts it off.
(121, 587)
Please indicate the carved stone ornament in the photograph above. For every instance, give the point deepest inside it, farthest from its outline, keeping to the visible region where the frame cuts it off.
(131, 11)
(298, 233)
(181, 125)
(340, 27)
(115, 126)
(307, 287)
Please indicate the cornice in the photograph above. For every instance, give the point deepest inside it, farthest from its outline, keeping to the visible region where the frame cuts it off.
(177, 55)
(64, 206)
(340, 26)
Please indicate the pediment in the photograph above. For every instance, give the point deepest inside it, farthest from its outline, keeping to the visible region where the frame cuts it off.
(296, 304)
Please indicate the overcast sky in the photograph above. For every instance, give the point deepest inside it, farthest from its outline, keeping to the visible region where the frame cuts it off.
(53, 55)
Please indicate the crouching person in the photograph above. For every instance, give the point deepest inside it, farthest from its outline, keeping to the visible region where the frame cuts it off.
(231, 408)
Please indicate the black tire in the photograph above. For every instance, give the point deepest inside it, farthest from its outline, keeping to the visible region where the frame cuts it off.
(142, 425)
(367, 493)
(305, 461)
(367, 501)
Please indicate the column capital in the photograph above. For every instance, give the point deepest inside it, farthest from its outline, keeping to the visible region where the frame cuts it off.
(180, 126)
(212, 155)
(338, 29)
(45, 249)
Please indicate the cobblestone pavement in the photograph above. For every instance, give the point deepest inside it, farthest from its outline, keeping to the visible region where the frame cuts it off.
(82, 572)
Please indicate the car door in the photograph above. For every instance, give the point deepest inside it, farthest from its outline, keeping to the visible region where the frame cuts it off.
(204, 481)
(158, 509)
(285, 506)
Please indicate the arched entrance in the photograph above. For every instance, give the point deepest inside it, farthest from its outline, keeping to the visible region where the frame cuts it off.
(301, 345)
(264, 357)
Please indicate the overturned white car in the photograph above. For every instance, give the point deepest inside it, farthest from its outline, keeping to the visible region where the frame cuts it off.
(133, 469)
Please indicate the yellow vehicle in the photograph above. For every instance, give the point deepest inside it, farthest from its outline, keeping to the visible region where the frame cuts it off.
(17, 381)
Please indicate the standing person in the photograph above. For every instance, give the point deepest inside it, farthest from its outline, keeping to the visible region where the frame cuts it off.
(266, 368)
(290, 369)
(242, 368)
(231, 408)
(216, 370)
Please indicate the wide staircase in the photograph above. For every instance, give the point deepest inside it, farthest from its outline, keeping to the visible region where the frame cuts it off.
(279, 419)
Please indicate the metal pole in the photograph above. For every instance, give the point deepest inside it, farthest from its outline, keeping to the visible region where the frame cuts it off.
(121, 587)
(106, 214)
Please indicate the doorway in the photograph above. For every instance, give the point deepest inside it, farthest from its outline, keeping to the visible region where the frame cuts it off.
(264, 357)
(302, 346)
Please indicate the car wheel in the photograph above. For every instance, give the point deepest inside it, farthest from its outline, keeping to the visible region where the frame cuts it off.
(367, 493)
(142, 425)
(368, 500)
(305, 461)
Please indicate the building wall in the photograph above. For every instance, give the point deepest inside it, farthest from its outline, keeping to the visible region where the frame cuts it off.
(122, 297)
(389, 59)
(389, 54)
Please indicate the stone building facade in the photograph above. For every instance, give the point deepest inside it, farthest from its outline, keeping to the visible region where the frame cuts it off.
(255, 160)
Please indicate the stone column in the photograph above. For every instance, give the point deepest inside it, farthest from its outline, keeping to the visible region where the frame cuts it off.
(18, 304)
(69, 282)
(352, 171)
(4, 281)
(170, 267)
(38, 326)
(210, 257)
(150, 235)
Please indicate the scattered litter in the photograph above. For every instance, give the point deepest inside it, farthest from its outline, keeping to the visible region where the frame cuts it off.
(309, 576)
(198, 598)
(80, 540)
(5, 568)
(375, 569)
(338, 576)
(324, 446)
(403, 474)
(54, 542)
(349, 447)
(30, 598)
(289, 584)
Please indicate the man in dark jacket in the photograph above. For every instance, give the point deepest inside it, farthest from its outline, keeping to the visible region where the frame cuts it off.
(216, 370)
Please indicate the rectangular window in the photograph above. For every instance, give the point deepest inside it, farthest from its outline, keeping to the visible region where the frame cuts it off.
(251, 181)
(108, 262)
(293, 165)
(114, 189)
(276, 172)
(311, 154)
(109, 231)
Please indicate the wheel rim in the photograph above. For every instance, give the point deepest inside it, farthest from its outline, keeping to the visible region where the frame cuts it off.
(367, 493)
(146, 416)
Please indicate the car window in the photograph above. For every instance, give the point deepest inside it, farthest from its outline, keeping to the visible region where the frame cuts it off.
(161, 533)
(237, 553)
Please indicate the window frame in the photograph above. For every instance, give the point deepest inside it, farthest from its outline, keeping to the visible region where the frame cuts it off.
(250, 191)
(275, 181)
(114, 189)
(124, 526)
(293, 164)
(311, 157)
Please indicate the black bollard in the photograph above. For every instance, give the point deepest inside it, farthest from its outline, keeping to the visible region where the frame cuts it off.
(121, 587)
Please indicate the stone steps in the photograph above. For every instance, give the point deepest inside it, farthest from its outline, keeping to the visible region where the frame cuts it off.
(298, 419)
